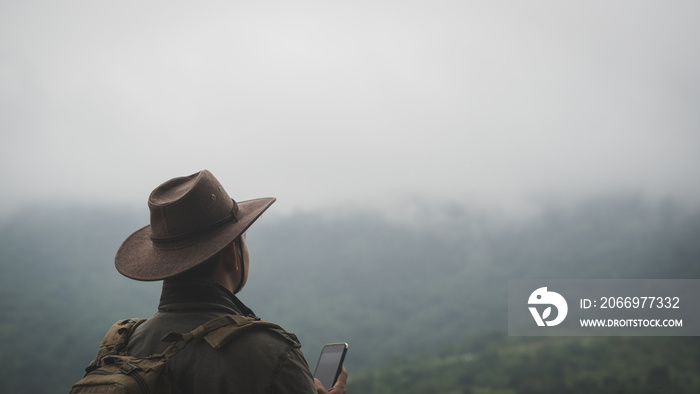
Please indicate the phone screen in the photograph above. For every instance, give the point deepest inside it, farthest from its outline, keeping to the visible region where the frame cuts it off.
(330, 363)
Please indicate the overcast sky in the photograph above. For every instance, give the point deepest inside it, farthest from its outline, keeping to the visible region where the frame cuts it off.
(357, 102)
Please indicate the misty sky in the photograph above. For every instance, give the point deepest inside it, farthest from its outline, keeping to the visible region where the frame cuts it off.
(321, 103)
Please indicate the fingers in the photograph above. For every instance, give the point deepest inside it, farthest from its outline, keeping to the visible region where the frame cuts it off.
(319, 387)
(342, 380)
(338, 387)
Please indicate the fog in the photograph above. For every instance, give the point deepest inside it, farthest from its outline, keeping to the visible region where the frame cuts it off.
(502, 105)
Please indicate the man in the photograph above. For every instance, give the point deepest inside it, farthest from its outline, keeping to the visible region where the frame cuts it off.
(196, 244)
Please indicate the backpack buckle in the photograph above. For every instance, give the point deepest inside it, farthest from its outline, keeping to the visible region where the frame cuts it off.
(128, 368)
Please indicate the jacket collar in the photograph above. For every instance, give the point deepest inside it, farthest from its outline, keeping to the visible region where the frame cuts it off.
(191, 296)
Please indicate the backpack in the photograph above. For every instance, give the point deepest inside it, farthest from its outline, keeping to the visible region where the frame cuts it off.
(114, 371)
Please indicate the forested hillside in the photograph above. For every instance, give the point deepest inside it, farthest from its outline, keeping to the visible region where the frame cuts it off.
(497, 364)
(401, 293)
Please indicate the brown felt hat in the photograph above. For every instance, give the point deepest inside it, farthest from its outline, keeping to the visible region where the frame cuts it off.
(192, 219)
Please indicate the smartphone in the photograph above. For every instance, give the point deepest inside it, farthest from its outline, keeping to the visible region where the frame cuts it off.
(330, 363)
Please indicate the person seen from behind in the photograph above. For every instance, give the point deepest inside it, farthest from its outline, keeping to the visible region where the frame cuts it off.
(196, 244)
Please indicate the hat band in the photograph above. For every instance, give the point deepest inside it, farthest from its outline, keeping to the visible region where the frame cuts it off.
(233, 216)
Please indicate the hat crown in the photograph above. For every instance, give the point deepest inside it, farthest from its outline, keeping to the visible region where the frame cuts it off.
(188, 205)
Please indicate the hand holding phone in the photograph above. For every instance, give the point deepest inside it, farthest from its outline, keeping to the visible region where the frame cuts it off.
(330, 363)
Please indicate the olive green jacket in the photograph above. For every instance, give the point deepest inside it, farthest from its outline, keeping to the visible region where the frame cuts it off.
(260, 361)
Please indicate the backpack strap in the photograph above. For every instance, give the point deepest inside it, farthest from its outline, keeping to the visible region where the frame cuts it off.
(118, 335)
(217, 332)
(226, 328)
(115, 340)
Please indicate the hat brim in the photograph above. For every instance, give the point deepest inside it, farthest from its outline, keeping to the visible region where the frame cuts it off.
(138, 258)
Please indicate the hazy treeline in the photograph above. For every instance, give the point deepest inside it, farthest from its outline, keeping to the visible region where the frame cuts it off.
(495, 363)
(398, 292)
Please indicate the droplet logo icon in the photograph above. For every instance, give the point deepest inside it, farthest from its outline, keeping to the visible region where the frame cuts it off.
(543, 297)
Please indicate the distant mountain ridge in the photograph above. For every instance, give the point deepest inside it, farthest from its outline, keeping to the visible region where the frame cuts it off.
(389, 289)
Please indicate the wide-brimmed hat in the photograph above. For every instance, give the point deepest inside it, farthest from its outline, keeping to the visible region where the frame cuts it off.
(192, 219)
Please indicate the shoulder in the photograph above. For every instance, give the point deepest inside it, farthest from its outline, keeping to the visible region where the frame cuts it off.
(264, 358)
(277, 352)
(261, 341)
(228, 328)
(265, 348)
